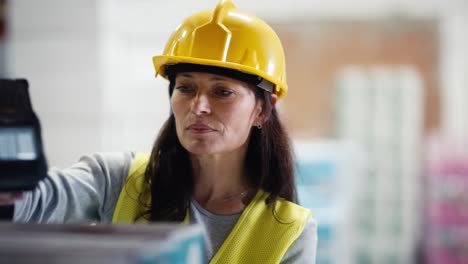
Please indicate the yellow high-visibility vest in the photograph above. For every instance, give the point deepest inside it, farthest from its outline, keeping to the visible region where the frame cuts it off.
(261, 235)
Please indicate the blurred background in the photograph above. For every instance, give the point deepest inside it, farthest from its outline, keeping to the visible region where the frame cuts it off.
(377, 106)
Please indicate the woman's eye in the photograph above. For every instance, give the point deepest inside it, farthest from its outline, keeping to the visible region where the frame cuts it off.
(183, 89)
(224, 92)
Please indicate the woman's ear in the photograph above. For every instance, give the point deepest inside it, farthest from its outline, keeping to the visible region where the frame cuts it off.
(260, 109)
(274, 99)
(262, 116)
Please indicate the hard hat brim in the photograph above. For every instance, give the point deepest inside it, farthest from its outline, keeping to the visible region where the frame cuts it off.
(162, 60)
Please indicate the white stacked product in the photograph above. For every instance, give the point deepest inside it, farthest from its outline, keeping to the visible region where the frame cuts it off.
(103, 244)
(411, 159)
(381, 109)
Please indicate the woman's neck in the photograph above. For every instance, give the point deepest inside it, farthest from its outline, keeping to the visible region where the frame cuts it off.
(220, 183)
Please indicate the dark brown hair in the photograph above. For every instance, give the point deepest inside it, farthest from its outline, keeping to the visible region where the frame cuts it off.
(169, 175)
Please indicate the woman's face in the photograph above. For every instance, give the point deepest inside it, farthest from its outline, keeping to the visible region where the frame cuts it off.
(213, 113)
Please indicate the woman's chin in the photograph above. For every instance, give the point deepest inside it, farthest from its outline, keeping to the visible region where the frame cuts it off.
(200, 148)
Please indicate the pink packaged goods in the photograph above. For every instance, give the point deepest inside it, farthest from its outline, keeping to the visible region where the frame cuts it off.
(446, 236)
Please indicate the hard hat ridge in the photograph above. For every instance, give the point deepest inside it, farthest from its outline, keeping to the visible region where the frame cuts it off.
(227, 38)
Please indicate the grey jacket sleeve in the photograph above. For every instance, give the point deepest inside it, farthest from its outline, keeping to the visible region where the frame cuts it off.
(303, 250)
(85, 192)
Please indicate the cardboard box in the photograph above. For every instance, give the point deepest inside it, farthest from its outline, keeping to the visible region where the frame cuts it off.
(116, 244)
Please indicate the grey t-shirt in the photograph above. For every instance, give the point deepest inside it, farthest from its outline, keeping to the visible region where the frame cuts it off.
(218, 227)
(88, 192)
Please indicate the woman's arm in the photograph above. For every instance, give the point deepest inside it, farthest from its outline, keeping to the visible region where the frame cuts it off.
(303, 250)
(85, 192)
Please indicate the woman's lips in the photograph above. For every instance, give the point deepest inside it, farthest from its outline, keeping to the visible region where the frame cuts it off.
(200, 129)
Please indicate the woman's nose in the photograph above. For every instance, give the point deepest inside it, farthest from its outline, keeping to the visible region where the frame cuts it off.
(201, 104)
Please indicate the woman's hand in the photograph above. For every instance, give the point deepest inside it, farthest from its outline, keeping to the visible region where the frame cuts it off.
(9, 198)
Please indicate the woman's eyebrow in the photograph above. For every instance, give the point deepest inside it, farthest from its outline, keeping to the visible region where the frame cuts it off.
(187, 75)
(214, 78)
(218, 78)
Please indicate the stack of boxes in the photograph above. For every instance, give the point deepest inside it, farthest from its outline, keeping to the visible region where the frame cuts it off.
(327, 182)
(446, 234)
(377, 217)
(381, 108)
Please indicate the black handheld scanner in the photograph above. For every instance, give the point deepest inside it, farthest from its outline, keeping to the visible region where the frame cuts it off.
(22, 159)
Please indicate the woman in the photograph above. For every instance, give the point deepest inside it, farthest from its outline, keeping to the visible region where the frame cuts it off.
(222, 159)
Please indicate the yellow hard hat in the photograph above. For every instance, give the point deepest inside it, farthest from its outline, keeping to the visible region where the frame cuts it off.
(229, 39)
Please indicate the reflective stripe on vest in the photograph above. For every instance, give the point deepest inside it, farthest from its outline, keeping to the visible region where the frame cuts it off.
(129, 205)
(261, 235)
